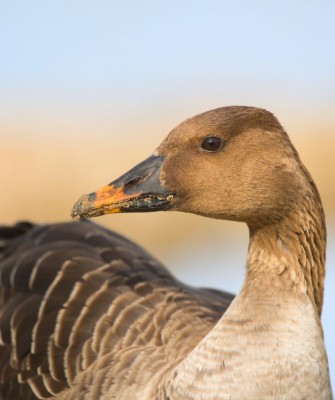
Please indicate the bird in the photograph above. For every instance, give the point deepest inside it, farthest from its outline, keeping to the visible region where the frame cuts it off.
(87, 314)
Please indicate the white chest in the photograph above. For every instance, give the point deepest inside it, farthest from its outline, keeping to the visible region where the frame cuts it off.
(246, 358)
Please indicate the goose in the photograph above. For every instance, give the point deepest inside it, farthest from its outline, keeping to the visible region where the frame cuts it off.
(87, 314)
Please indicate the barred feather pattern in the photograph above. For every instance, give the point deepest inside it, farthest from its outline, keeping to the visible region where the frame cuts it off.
(85, 312)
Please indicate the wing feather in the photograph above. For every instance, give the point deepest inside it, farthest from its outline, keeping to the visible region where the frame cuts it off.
(78, 301)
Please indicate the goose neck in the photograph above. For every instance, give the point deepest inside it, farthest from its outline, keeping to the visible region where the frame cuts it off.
(289, 256)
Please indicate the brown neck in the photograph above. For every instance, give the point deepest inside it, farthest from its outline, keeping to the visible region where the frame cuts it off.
(289, 256)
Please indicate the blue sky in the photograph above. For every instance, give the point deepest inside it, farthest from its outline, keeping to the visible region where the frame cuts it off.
(133, 54)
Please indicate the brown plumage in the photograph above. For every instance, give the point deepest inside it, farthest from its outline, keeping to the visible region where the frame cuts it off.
(86, 314)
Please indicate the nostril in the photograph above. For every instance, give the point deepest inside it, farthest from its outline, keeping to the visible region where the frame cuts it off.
(133, 182)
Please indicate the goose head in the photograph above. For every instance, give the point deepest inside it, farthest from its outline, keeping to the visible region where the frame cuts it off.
(234, 163)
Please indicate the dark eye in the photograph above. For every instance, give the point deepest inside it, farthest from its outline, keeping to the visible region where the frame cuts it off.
(212, 144)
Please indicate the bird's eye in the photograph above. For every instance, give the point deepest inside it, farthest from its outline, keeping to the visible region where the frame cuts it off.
(212, 144)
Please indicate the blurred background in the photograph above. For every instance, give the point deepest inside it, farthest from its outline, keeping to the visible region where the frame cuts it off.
(89, 89)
